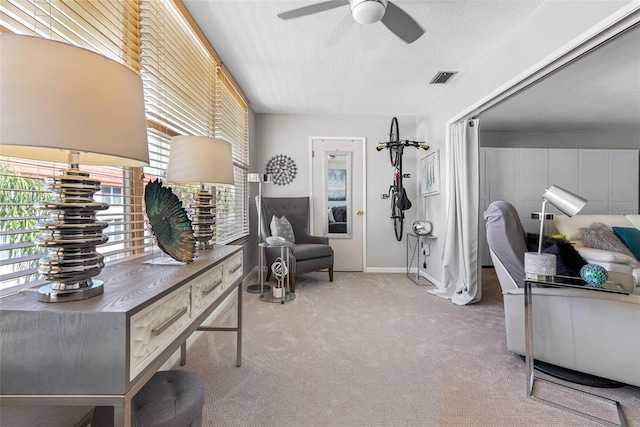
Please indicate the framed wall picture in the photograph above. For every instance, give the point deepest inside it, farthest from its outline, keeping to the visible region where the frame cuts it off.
(430, 173)
(337, 185)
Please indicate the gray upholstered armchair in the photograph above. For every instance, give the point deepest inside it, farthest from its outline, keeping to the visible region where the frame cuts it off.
(592, 332)
(309, 253)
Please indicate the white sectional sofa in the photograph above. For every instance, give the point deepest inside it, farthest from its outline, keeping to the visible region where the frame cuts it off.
(612, 261)
(591, 332)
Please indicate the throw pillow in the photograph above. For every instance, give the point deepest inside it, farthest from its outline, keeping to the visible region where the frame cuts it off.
(330, 214)
(630, 237)
(601, 236)
(340, 213)
(282, 227)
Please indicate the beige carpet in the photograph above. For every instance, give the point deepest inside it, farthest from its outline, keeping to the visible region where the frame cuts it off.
(373, 350)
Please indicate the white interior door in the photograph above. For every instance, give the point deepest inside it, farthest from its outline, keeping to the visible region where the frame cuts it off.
(330, 156)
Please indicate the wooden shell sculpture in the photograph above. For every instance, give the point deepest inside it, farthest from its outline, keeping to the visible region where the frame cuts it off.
(168, 222)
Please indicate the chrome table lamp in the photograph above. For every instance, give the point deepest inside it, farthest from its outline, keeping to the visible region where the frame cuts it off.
(539, 265)
(63, 103)
(199, 160)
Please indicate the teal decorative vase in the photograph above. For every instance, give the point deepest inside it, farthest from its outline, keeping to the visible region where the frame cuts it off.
(595, 275)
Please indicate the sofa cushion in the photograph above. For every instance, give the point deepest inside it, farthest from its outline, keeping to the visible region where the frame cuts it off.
(601, 236)
(570, 226)
(507, 239)
(633, 219)
(600, 256)
(282, 227)
(630, 237)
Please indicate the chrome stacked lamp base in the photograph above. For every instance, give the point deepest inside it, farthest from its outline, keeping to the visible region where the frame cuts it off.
(71, 235)
(203, 219)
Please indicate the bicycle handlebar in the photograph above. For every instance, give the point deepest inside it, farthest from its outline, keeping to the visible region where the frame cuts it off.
(405, 143)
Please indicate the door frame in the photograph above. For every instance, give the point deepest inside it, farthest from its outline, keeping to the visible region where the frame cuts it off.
(363, 140)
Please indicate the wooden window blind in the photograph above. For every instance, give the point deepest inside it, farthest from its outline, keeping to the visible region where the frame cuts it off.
(186, 93)
(232, 125)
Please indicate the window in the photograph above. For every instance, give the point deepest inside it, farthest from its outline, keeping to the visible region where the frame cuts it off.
(187, 92)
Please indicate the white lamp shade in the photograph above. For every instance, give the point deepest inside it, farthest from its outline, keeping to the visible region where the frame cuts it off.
(56, 98)
(368, 11)
(567, 202)
(200, 160)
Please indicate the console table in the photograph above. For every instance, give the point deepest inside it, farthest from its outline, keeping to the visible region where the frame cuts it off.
(101, 351)
(413, 255)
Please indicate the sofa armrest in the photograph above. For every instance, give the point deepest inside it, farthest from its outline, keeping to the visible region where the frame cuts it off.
(578, 329)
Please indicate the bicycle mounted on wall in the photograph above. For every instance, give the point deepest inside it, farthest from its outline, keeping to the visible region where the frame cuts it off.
(399, 200)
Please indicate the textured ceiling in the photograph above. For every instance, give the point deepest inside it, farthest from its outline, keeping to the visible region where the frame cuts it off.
(600, 91)
(326, 63)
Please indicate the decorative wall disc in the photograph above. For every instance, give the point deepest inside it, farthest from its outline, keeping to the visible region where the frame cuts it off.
(168, 222)
(282, 169)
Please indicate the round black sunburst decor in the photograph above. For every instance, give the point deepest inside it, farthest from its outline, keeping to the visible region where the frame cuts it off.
(282, 169)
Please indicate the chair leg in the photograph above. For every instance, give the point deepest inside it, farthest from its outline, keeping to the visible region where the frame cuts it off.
(292, 282)
(331, 273)
(268, 275)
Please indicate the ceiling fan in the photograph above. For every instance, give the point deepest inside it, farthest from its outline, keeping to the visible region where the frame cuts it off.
(367, 12)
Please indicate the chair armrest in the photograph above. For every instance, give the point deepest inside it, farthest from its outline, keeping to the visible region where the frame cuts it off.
(314, 239)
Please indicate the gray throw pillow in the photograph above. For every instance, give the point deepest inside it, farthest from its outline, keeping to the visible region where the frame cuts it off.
(601, 236)
(282, 227)
(330, 216)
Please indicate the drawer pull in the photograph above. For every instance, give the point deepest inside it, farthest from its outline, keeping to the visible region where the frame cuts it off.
(209, 290)
(234, 269)
(170, 321)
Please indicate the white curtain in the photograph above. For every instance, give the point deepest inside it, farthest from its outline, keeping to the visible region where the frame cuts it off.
(460, 274)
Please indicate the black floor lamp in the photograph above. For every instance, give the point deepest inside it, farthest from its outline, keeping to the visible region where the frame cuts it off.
(259, 178)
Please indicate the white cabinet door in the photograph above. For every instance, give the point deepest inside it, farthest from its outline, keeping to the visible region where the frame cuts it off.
(623, 181)
(533, 164)
(593, 180)
(484, 257)
(502, 173)
(563, 168)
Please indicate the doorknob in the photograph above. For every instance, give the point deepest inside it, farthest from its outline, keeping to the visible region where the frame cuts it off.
(359, 212)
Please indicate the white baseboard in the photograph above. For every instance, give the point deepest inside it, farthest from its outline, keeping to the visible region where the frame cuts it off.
(385, 270)
(430, 278)
(425, 276)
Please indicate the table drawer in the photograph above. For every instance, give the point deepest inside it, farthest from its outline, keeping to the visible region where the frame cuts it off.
(232, 269)
(206, 288)
(152, 328)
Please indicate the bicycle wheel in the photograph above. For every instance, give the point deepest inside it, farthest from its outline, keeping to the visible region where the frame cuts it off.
(394, 136)
(397, 215)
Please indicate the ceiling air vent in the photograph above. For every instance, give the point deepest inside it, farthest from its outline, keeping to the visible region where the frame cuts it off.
(442, 77)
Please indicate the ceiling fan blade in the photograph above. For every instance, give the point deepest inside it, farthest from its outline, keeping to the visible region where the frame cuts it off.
(313, 8)
(401, 24)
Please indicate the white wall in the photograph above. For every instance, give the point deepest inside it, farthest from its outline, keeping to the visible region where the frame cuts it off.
(554, 28)
(289, 134)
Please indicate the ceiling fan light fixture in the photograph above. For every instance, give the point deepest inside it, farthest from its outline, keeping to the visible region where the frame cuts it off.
(368, 11)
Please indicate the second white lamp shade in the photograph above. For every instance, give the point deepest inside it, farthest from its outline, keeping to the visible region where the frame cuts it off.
(200, 160)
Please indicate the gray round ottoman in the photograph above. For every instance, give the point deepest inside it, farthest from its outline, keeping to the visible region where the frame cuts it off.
(169, 399)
